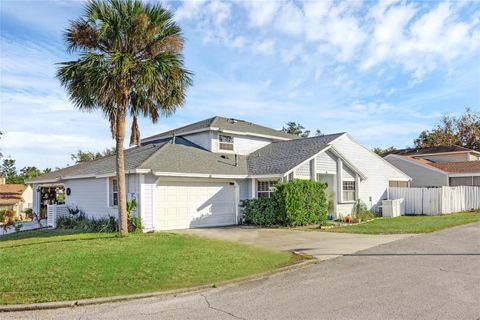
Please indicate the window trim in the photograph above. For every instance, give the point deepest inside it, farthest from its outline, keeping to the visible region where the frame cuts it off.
(114, 182)
(226, 143)
(344, 200)
(271, 187)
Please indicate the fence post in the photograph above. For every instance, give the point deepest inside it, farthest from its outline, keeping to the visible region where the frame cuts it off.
(52, 215)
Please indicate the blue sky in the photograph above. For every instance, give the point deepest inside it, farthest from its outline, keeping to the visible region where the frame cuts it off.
(382, 71)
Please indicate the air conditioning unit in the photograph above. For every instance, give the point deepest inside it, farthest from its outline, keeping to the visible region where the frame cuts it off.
(393, 208)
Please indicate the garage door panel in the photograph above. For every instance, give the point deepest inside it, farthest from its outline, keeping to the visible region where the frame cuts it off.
(195, 204)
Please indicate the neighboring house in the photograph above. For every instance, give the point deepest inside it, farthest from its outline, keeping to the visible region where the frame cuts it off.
(438, 166)
(196, 176)
(18, 197)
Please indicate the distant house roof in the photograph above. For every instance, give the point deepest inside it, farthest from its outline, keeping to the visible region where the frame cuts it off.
(430, 150)
(282, 156)
(11, 193)
(458, 167)
(223, 124)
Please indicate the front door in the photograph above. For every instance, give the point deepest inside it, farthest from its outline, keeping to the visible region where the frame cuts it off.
(329, 179)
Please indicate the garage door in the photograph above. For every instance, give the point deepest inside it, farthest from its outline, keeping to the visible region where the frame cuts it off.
(182, 205)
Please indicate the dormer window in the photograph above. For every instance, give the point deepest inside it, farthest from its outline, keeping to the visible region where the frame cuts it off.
(225, 142)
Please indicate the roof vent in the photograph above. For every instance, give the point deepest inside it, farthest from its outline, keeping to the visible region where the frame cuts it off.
(231, 120)
(223, 156)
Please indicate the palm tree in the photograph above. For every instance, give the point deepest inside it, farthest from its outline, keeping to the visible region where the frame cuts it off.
(129, 63)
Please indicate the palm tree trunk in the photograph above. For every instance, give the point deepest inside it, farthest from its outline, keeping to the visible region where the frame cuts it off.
(122, 197)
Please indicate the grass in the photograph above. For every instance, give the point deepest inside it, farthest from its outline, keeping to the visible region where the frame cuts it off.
(56, 265)
(410, 224)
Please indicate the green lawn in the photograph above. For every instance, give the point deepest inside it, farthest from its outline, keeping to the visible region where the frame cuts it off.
(410, 224)
(55, 265)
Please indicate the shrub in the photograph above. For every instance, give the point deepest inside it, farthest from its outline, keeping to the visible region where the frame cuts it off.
(8, 219)
(134, 223)
(361, 213)
(262, 211)
(294, 203)
(29, 213)
(76, 219)
(303, 202)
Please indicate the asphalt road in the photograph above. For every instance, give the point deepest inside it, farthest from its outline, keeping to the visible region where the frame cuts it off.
(432, 276)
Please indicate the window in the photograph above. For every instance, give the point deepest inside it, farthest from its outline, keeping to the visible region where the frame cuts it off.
(348, 191)
(265, 188)
(226, 142)
(114, 193)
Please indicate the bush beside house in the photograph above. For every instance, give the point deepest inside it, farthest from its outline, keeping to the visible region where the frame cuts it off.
(294, 203)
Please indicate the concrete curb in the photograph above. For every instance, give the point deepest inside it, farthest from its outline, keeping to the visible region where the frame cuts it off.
(307, 261)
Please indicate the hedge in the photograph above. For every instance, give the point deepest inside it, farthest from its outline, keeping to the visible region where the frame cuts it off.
(293, 203)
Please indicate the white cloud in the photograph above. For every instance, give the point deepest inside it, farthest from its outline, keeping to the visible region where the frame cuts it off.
(261, 13)
(265, 47)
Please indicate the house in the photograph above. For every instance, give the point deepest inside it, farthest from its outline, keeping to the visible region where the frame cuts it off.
(17, 197)
(196, 175)
(438, 166)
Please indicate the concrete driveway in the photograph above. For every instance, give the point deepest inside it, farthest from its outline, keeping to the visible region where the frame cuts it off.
(322, 245)
(431, 276)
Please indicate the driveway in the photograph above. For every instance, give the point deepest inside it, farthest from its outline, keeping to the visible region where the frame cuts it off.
(431, 276)
(322, 245)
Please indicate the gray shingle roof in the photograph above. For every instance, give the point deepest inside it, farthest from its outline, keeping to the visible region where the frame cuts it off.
(280, 157)
(134, 157)
(185, 159)
(224, 124)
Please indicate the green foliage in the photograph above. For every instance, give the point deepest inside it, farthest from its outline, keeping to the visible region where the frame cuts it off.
(303, 202)
(9, 171)
(29, 213)
(8, 219)
(361, 213)
(381, 151)
(262, 211)
(77, 220)
(85, 156)
(462, 131)
(134, 223)
(294, 203)
(299, 130)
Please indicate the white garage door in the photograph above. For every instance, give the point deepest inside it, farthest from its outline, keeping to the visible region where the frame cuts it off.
(182, 205)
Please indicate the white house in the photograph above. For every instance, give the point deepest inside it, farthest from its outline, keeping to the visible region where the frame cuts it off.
(438, 166)
(196, 176)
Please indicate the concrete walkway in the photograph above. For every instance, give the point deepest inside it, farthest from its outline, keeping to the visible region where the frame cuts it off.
(322, 245)
(26, 226)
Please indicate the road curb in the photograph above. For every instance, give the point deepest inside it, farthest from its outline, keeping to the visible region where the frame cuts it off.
(307, 261)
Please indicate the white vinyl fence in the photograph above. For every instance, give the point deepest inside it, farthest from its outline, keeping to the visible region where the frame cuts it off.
(439, 200)
(54, 211)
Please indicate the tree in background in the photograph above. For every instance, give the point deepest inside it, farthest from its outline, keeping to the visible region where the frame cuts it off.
(85, 156)
(299, 130)
(129, 62)
(381, 151)
(9, 171)
(462, 131)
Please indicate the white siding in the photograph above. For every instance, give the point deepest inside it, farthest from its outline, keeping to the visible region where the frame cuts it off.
(377, 171)
(244, 186)
(454, 157)
(347, 174)
(203, 139)
(303, 172)
(326, 162)
(247, 144)
(421, 176)
(90, 195)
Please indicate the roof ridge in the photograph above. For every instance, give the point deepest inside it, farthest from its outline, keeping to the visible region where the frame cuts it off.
(160, 147)
(314, 137)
